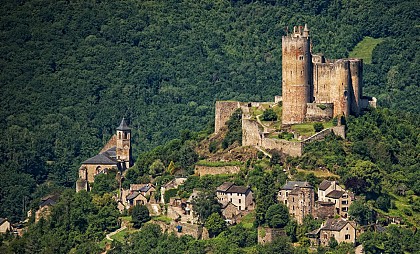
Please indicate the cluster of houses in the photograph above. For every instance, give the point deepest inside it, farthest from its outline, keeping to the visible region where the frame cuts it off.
(332, 207)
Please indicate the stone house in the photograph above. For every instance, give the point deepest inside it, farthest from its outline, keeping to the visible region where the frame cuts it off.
(340, 229)
(240, 196)
(299, 197)
(115, 154)
(139, 194)
(5, 226)
(330, 191)
(45, 206)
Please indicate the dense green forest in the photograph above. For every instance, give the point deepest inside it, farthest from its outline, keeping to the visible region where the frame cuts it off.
(70, 70)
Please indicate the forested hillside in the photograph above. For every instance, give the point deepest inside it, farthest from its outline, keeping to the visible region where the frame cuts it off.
(70, 70)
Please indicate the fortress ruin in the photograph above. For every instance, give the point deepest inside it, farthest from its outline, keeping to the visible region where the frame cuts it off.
(313, 89)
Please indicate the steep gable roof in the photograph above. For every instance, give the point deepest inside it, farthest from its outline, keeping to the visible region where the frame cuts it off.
(325, 184)
(123, 126)
(290, 185)
(225, 186)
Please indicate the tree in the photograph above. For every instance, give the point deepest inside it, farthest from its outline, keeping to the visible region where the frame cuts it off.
(269, 115)
(369, 173)
(361, 213)
(215, 224)
(205, 204)
(157, 167)
(140, 215)
(277, 216)
(104, 183)
(171, 168)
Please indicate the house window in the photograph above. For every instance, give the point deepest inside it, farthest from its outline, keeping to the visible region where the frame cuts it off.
(240, 208)
(347, 237)
(344, 202)
(230, 200)
(239, 201)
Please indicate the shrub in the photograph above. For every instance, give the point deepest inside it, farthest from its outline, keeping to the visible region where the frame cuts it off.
(213, 146)
(318, 127)
(269, 115)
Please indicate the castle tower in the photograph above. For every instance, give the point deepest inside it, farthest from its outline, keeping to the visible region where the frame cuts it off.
(356, 72)
(123, 150)
(296, 75)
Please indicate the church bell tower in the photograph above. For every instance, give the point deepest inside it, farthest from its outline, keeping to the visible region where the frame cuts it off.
(123, 150)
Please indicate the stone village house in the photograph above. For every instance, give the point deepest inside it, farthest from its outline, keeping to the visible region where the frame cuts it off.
(138, 194)
(236, 201)
(340, 229)
(299, 197)
(330, 191)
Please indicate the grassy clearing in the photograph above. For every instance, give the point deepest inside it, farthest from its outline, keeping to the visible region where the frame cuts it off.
(307, 129)
(162, 218)
(218, 163)
(402, 205)
(248, 220)
(364, 49)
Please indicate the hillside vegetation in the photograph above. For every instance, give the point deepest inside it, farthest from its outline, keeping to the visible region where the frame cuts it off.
(70, 70)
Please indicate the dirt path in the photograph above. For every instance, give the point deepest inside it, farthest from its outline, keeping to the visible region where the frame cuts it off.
(108, 236)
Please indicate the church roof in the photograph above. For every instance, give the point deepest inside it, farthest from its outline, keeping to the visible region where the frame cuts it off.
(101, 159)
(123, 126)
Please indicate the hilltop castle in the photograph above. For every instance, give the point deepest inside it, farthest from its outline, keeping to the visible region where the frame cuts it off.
(309, 81)
(115, 154)
(313, 89)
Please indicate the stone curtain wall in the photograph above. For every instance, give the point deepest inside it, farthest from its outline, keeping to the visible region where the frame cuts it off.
(288, 147)
(224, 109)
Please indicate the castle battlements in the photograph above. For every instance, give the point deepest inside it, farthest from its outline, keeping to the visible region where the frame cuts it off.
(314, 88)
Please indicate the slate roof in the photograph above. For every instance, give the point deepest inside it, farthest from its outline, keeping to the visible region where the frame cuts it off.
(146, 188)
(290, 185)
(335, 194)
(237, 189)
(111, 152)
(101, 159)
(49, 200)
(123, 126)
(324, 185)
(225, 186)
(335, 224)
(132, 195)
(230, 187)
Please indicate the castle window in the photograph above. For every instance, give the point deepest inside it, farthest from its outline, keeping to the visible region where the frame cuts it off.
(119, 135)
(301, 58)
